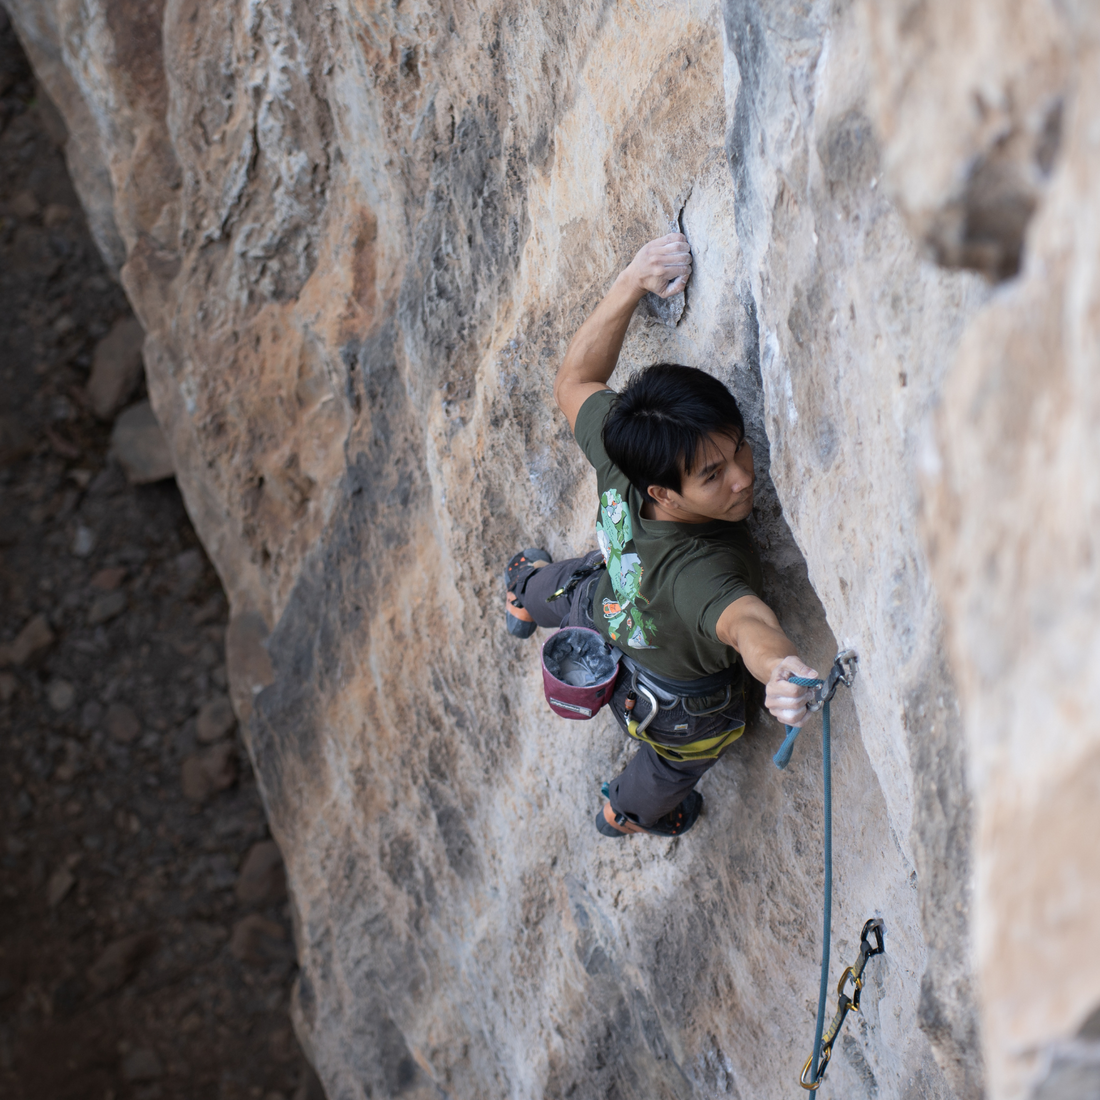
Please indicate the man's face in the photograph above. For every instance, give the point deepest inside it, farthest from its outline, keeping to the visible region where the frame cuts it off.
(720, 486)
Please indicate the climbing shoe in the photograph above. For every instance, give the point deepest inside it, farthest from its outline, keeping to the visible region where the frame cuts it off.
(602, 826)
(677, 822)
(674, 823)
(515, 576)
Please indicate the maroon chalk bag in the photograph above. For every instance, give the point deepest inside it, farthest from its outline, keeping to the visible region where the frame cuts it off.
(579, 670)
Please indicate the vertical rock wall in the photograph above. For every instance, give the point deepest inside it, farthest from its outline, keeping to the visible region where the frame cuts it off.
(359, 237)
(1011, 513)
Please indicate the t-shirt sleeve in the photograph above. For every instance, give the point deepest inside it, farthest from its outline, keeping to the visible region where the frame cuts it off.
(588, 430)
(705, 587)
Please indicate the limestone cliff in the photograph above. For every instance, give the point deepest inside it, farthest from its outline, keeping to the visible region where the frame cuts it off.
(359, 236)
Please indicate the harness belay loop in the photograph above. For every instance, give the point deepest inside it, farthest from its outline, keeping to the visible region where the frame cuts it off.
(813, 1072)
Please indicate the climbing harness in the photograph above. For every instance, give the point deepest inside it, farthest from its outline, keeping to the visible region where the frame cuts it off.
(844, 1003)
(663, 693)
(813, 1073)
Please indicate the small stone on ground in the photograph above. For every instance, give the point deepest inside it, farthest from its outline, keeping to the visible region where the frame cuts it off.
(116, 367)
(122, 723)
(140, 447)
(215, 719)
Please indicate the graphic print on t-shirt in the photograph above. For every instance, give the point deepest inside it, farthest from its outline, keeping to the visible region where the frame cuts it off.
(615, 532)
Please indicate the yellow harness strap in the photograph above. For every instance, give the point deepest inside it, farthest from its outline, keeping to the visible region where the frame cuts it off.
(707, 749)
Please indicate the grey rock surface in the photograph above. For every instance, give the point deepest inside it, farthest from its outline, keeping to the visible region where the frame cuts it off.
(359, 239)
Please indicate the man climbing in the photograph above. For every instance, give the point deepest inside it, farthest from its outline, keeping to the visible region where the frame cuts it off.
(676, 583)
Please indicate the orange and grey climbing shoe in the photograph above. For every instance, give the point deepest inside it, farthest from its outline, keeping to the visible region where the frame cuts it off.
(675, 823)
(516, 575)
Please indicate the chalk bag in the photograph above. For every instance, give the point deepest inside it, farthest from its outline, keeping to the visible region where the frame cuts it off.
(579, 670)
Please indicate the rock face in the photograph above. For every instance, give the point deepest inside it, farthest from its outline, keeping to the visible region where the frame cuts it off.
(1011, 498)
(358, 238)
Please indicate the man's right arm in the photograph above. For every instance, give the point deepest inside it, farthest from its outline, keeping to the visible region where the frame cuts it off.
(750, 626)
(662, 266)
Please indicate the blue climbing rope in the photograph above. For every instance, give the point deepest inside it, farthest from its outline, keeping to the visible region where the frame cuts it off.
(782, 759)
(843, 671)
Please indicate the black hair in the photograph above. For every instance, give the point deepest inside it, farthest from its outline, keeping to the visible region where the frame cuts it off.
(659, 423)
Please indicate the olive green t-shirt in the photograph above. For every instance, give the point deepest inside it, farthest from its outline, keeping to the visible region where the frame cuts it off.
(666, 584)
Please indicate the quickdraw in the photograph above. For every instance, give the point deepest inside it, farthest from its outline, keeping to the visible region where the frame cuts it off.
(811, 1079)
(845, 666)
(581, 573)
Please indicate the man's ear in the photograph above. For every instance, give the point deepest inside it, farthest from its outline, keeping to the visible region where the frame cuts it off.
(661, 495)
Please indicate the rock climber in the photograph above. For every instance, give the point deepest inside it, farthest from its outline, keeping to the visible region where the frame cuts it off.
(676, 583)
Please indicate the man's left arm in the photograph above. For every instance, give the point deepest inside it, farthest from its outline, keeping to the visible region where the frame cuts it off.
(662, 266)
(750, 626)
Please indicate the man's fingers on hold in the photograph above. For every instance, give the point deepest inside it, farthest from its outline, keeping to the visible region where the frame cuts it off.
(791, 717)
(783, 709)
(787, 691)
(775, 702)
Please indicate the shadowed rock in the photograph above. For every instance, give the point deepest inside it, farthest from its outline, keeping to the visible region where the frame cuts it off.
(204, 774)
(261, 880)
(215, 720)
(117, 963)
(122, 723)
(116, 368)
(34, 639)
(257, 940)
(138, 444)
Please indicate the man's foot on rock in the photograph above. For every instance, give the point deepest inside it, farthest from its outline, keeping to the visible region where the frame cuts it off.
(517, 618)
(608, 826)
(517, 610)
(675, 823)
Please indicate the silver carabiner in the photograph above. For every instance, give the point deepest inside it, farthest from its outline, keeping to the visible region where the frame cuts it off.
(654, 706)
(846, 664)
(845, 667)
(710, 710)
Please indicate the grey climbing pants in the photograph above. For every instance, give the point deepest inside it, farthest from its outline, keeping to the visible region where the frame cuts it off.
(649, 786)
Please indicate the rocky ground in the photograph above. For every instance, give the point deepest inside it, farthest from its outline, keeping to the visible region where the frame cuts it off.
(145, 948)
